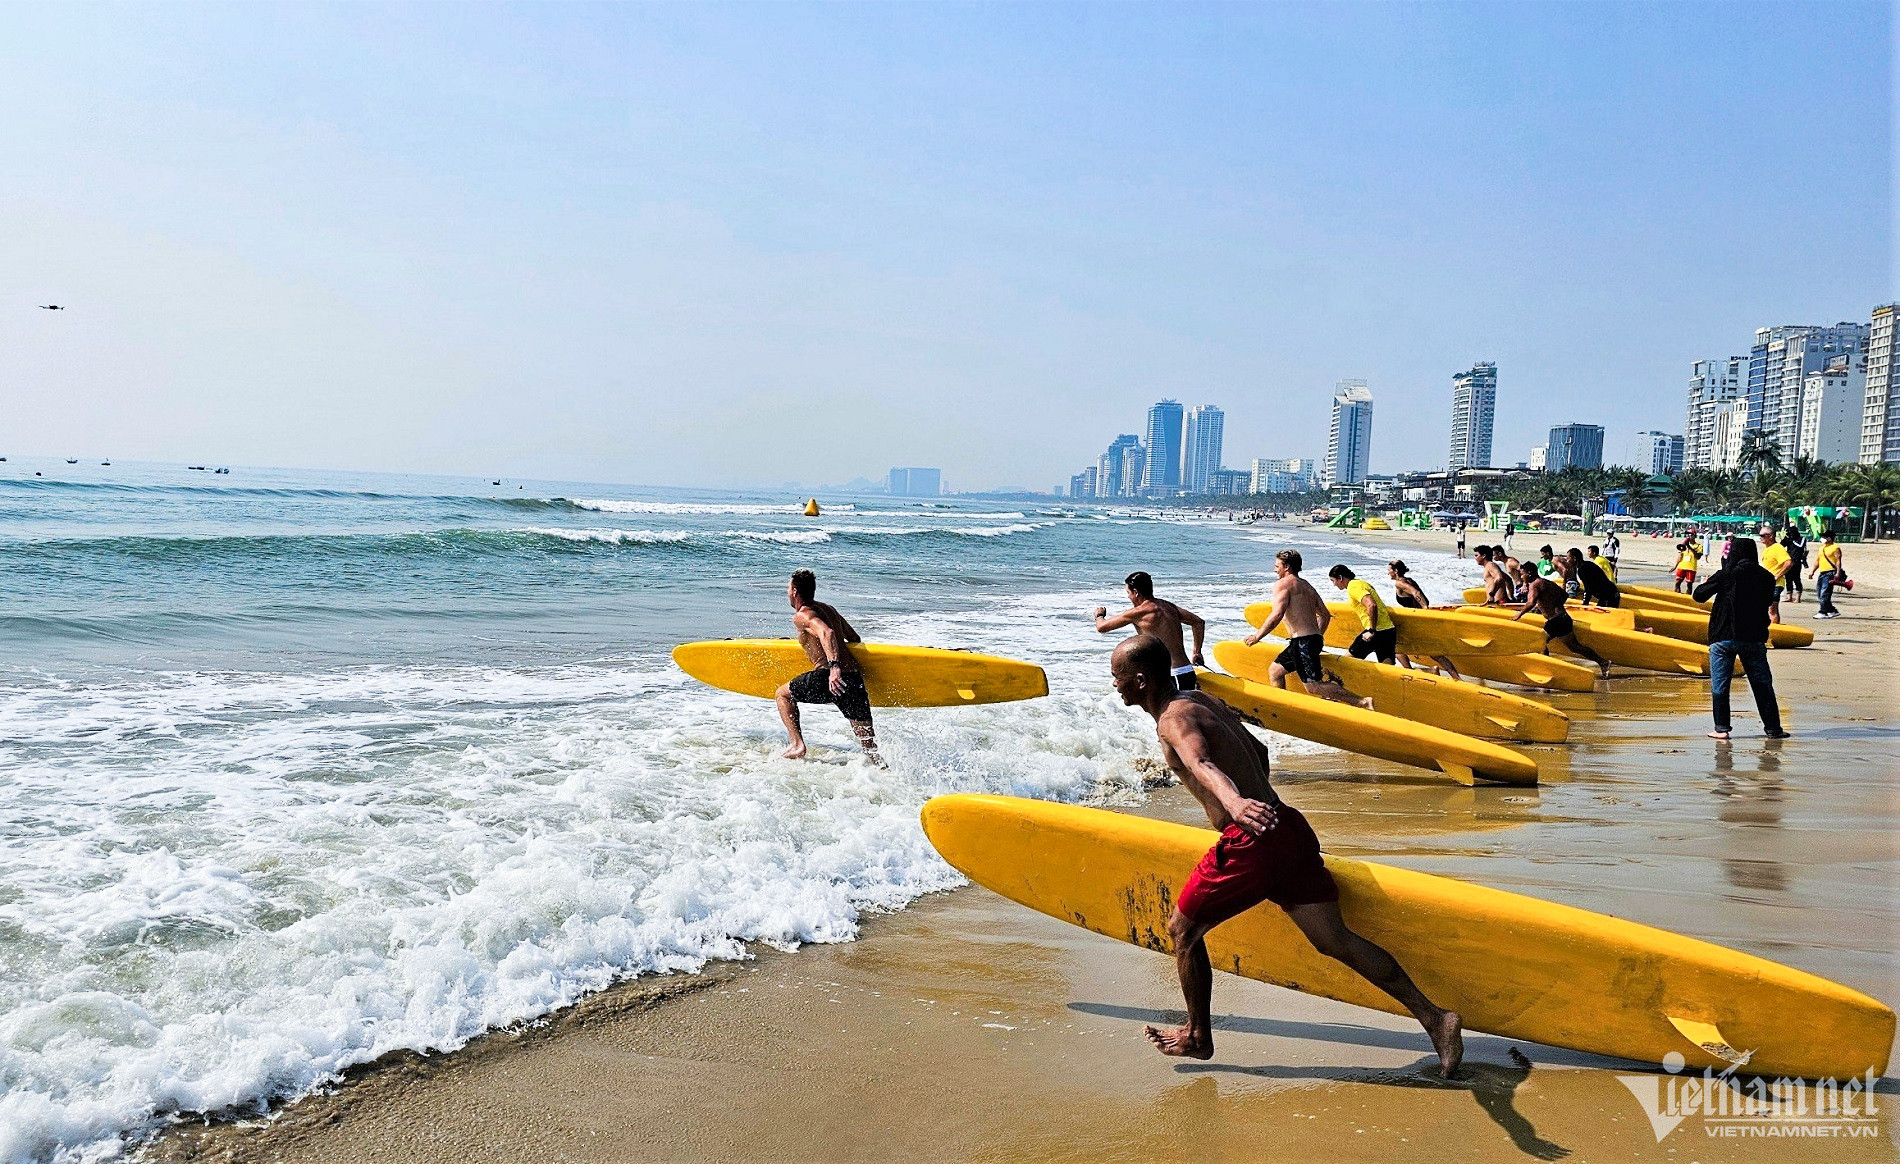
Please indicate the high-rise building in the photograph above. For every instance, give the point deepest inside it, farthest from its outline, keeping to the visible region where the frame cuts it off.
(1712, 385)
(1539, 455)
(1284, 475)
(1833, 403)
(1574, 444)
(1725, 441)
(1134, 470)
(1112, 469)
(1083, 483)
(1789, 355)
(1474, 400)
(1200, 446)
(1163, 475)
(1657, 452)
(1880, 420)
(915, 482)
(1349, 445)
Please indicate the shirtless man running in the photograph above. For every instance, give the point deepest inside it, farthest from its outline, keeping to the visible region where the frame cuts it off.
(823, 632)
(1547, 598)
(1162, 619)
(1497, 587)
(1266, 852)
(1300, 607)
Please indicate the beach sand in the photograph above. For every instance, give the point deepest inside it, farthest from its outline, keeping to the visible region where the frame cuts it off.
(967, 1027)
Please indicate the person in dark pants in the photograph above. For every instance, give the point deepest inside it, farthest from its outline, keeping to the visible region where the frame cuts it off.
(1738, 632)
(1827, 573)
(1797, 561)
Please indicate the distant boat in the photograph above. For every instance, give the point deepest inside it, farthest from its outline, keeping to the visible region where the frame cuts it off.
(105, 462)
(72, 460)
(199, 468)
(494, 482)
(224, 470)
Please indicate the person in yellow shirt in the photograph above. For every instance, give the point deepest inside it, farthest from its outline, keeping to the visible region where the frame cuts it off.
(1775, 560)
(1688, 553)
(1827, 574)
(1604, 564)
(1381, 635)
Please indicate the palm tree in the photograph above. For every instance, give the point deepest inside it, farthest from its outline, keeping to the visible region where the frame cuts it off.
(1684, 490)
(1635, 486)
(1876, 488)
(1759, 451)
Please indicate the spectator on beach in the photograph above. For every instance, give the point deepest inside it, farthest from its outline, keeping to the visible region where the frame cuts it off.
(1603, 563)
(1776, 561)
(1738, 632)
(1461, 541)
(1612, 549)
(1827, 574)
(1797, 547)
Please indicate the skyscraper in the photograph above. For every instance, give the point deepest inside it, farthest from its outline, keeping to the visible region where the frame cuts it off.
(1163, 477)
(1833, 403)
(1200, 446)
(1787, 356)
(1880, 421)
(1574, 444)
(1712, 385)
(1349, 446)
(1111, 470)
(1134, 470)
(1657, 452)
(1474, 399)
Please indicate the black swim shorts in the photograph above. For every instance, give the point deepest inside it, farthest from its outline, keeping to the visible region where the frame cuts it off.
(814, 686)
(1302, 657)
(1383, 643)
(1558, 625)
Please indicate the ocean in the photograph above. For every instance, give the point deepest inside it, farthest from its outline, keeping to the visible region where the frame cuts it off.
(303, 768)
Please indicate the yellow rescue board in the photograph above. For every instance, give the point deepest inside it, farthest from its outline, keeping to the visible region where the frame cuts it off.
(1656, 595)
(1371, 733)
(1617, 619)
(1511, 965)
(895, 676)
(1419, 696)
(1423, 632)
(1528, 671)
(1625, 647)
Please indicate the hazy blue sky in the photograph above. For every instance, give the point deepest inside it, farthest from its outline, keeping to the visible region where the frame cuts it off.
(729, 245)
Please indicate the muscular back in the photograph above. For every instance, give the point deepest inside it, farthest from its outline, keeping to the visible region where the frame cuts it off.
(1302, 606)
(1162, 619)
(808, 621)
(1196, 724)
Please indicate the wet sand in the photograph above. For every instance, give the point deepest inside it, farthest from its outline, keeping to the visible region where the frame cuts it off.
(967, 1027)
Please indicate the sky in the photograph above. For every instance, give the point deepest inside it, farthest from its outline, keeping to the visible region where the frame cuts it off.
(745, 245)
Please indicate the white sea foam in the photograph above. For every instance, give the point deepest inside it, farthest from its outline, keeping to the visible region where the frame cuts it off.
(225, 888)
(692, 509)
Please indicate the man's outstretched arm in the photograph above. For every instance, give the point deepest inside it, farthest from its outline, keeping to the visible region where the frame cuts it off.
(1104, 622)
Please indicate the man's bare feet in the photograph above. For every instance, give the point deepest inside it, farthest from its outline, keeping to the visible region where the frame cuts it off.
(1605, 668)
(1448, 1040)
(1718, 735)
(1366, 703)
(795, 752)
(1181, 1042)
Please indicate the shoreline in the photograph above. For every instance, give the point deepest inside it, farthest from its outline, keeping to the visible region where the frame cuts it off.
(963, 1002)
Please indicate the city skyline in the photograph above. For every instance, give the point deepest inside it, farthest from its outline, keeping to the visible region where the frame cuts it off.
(278, 245)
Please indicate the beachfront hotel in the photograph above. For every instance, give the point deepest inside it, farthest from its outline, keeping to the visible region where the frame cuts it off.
(1349, 445)
(1474, 400)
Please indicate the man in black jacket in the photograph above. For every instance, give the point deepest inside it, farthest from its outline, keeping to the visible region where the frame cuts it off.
(1738, 631)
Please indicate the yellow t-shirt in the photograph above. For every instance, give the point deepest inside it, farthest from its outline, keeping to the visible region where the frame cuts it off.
(1829, 558)
(1775, 559)
(1356, 592)
(1688, 560)
(1608, 567)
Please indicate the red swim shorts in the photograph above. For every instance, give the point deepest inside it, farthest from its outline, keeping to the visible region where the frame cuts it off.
(1686, 575)
(1243, 870)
